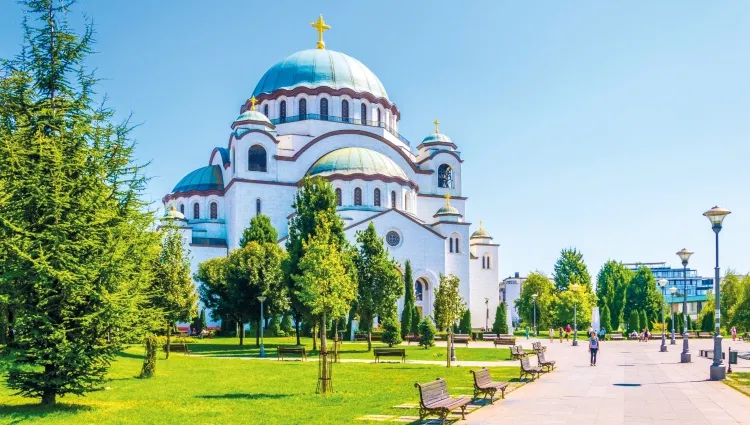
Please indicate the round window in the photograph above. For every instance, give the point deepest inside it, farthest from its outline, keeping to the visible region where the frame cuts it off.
(392, 238)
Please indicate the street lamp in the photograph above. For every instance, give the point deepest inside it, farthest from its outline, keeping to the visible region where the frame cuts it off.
(262, 326)
(663, 284)
(575, 287)
(487, 317)
(672, 291)
(684, 255)
(534, 301)
(717, 215)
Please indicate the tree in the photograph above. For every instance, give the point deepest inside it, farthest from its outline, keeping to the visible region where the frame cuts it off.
(75, 231)
(538, 283)
(149, 360)
(391, 331)
(643, 294)
(380, 284)
(408, 311)
(274, 327)
(315, 203)
(286, 325)
(645, 322)
(634, 321)
(501, 319)
(449, 306)
(199, 322)
(465, 326)
(324, 286)
(260, 230)
(172, 291)
(605, 321)
(740, 311)
(731, 291)
(574, 306)
(611, 284)
(427, 333)
(569, 269)
(415, 321)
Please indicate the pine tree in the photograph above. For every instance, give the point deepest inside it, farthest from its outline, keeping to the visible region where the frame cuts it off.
(260, 230)
(501, 319)
(391, 331)
(408, 311)
(415, 321)
(645, 323)
(634, 321)
(604, 317)
(427, 333)
(74, 229)
(570, 269)
(465, 326)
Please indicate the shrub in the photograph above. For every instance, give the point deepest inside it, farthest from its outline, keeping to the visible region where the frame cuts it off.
(501, 319)
(149, 360)
(391, 331)
(634, 321)
(464, 326)
(427, 333)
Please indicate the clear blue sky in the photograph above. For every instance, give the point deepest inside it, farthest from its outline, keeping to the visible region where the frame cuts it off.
(608, 126)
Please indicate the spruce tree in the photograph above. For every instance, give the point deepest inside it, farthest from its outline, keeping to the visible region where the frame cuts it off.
(408, 312)
(604, 317)
(415, 321)
(645, 323)
(391, 331)
(634, 321)
(74, 229)
(501, 319)
(427, 333)
(465, 325)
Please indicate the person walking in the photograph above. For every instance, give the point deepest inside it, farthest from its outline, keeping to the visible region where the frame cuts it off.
(567, 332)
(593, 347)
(734, 333)
(551, 335)
(561, 333)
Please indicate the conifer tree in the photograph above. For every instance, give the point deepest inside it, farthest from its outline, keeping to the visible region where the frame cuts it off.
(605, 320)
(415, 320)
(501, 319)
(74, 230)
(408, 312)
(427, 333)
(465, 326)
(391, 331)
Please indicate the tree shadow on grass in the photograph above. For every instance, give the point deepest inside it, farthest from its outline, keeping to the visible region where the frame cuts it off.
(31, 412)
(243, 396)
(130, 355)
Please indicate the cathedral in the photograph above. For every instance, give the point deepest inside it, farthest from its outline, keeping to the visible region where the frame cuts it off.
(320, 112)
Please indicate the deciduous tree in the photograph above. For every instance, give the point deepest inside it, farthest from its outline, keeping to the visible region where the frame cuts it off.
(643, 295)
(538, 283)
(449, 306)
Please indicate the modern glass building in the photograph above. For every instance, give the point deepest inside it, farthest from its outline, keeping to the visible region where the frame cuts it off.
(697, 286)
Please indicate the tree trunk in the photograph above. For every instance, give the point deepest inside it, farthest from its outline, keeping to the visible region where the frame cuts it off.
(296, 328)
(242, 331)
(315, 336)
(169, 337)
(324, 386)
(448, 340)
(369, 340)
(49, 397)
(257, 333)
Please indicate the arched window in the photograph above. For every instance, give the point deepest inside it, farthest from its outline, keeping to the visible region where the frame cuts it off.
(338, 196)
(345, 110)
(393, 199)
(196, 211)
(488, 262)
(182, 209)
(380, 123)
(265, 110)
(303, 109)
(256, 158)
(376, 197)
(364, 114)
(257, 207)
(445, 176)
(357, 196)
(324, 109)
(456, 242)
(214, 211)
(418, 292)
(406, 202)
(450, 241)
(282, 111)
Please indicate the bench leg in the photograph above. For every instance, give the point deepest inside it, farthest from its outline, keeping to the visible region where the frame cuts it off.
(492, 396)
(463, 412)
(503, 393)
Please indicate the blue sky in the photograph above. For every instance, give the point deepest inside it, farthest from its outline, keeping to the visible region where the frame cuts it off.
(608, 126)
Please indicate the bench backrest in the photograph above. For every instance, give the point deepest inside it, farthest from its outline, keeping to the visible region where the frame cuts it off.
(432, 392)
(525, 365)
(388, 350)
(481, 376)
(513, 349)
(489, 335)
(540, 356)
(290, 349)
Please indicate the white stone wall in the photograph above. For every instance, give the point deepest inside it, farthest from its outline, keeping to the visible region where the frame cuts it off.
(484, 284)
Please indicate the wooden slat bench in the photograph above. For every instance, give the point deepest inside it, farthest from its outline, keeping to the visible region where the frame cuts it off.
(516, 352)
(545, 364)
(538, 347)
(281, 351)
(705, 335)
(528, 370)
(616, 337)
(483, 384)
(489, 337)
(434, 399)
(461, 339)
(504, 340)
(389, 352)
(177, 347)
(411, 338)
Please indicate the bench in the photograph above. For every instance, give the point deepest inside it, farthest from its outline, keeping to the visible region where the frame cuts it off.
(389, 352)
(516, 352)
(547, 365)
(461, 339)
(504, 340)
(296, 350)
(538, 347)
(175, 347)
(616, 337)
(483, 384)
(434, 399)
(411, 338)
(528, 370)
(364, 337)
(489, 337)
(705, 335)
(709, 354)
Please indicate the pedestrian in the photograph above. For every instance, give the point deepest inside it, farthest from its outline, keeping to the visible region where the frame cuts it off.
(734, 333)
(551, 335)
(527, 332)
(593, 347)
(567, 332)
(602, 333)
(561, 332)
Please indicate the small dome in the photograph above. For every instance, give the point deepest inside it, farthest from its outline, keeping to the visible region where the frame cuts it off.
(250, 115)
(320, 68)
(351, 161)
(447, 210)
(480, 233)
(172, 213)
(437, 138)
(202, 179)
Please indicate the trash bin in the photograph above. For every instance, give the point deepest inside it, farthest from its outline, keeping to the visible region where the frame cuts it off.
(732, 357)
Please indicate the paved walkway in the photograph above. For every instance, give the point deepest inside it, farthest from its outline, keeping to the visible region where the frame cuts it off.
(633, 383)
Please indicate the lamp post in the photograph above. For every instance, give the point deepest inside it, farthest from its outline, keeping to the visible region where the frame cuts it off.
(672, 291)
(575, 287)
(262, 326)
(717, 215)
(534, 301)
(684, 255)
(663, 284)
(487, 317)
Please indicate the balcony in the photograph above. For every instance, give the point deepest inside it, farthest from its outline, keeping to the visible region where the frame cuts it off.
(332, 118)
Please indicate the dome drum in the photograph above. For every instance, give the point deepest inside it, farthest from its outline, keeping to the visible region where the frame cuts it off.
(359, 163)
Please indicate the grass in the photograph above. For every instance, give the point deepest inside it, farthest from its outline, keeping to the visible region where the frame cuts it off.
(204, 390)
(740, 381)
(229, 347)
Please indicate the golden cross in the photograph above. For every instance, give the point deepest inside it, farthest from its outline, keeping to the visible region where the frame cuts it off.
(480, 224)
(320, 26)
(447, 199)
(437, 123)
(253, 101)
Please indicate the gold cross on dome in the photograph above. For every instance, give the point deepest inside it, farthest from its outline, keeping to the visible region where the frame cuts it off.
(320, 25)
(447, 199)
(480, 224)
(253, 101)
(437, 123)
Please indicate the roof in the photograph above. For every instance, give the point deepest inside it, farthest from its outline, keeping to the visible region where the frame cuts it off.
(320, 68)
(480, 234)
(225, 157)
(353, 161)
(251, 115)
(202, 179)
(437, 138)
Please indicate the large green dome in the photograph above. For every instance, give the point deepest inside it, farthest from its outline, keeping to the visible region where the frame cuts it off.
(202, 179)
(352, 161)
(320, 68)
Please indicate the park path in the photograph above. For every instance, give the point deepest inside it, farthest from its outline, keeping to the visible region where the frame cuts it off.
(633, 383)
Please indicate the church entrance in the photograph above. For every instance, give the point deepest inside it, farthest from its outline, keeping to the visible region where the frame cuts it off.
(423, 297)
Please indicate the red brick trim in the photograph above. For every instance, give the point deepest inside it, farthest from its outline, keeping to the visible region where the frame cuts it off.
(452, 145)
(327, 90)
(438, 153)
(370, 177)
(253, 122)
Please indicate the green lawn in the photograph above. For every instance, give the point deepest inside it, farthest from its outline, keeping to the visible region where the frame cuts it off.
(229, 347)
(739, 381)
(201, 390)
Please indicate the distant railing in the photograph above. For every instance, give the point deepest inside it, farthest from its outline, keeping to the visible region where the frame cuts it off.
(320, 117)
